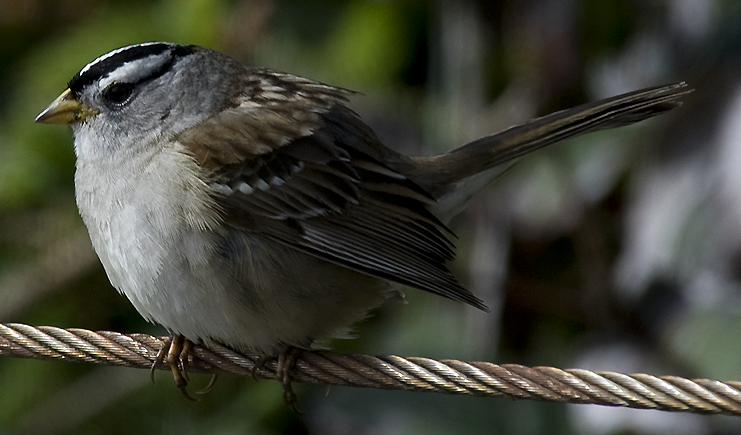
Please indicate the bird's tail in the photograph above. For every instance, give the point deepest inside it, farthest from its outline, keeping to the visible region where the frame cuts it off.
(453, 177)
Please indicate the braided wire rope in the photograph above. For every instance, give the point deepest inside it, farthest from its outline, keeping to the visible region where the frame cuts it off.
(643, 391)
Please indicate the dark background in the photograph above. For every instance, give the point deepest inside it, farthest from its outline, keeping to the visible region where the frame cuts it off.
(619, 250)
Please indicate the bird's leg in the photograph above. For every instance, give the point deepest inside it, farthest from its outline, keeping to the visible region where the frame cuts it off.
(174, 352)
(286, 362)
(177, 357)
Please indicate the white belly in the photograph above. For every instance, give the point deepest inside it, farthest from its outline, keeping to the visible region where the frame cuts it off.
(180, 267)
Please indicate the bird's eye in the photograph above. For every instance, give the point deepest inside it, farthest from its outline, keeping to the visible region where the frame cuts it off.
(118, 93)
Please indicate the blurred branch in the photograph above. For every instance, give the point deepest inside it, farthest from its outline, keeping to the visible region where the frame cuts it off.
(667, 393)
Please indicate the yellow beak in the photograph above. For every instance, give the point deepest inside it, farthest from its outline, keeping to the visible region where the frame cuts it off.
(65, 110)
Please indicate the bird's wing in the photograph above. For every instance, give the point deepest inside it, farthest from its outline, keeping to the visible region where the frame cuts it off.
(314, 179)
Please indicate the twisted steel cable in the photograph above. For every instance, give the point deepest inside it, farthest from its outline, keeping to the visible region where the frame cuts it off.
(667, 393)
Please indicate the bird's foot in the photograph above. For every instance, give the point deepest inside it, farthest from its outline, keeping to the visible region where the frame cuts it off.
(175, 352)
(286, 362)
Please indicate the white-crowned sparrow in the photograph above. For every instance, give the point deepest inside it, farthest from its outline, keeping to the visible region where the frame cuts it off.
(252, 208)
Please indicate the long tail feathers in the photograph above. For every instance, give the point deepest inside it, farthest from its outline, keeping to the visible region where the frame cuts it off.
(444, 174)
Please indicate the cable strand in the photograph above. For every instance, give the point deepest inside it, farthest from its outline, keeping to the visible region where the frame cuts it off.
(643, 391)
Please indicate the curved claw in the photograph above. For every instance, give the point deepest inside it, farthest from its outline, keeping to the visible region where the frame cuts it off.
(160, 357)
(259, 365)
(184, 390)
(210, 385)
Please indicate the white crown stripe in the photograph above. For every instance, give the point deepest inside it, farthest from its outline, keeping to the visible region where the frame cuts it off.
(87, 67)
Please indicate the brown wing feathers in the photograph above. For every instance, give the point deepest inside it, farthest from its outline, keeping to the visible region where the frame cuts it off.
(336, 200)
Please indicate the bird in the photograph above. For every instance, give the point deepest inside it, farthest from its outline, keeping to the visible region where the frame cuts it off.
(254, 209)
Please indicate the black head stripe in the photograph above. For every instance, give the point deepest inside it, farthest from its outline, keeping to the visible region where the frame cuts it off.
(109, 62)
